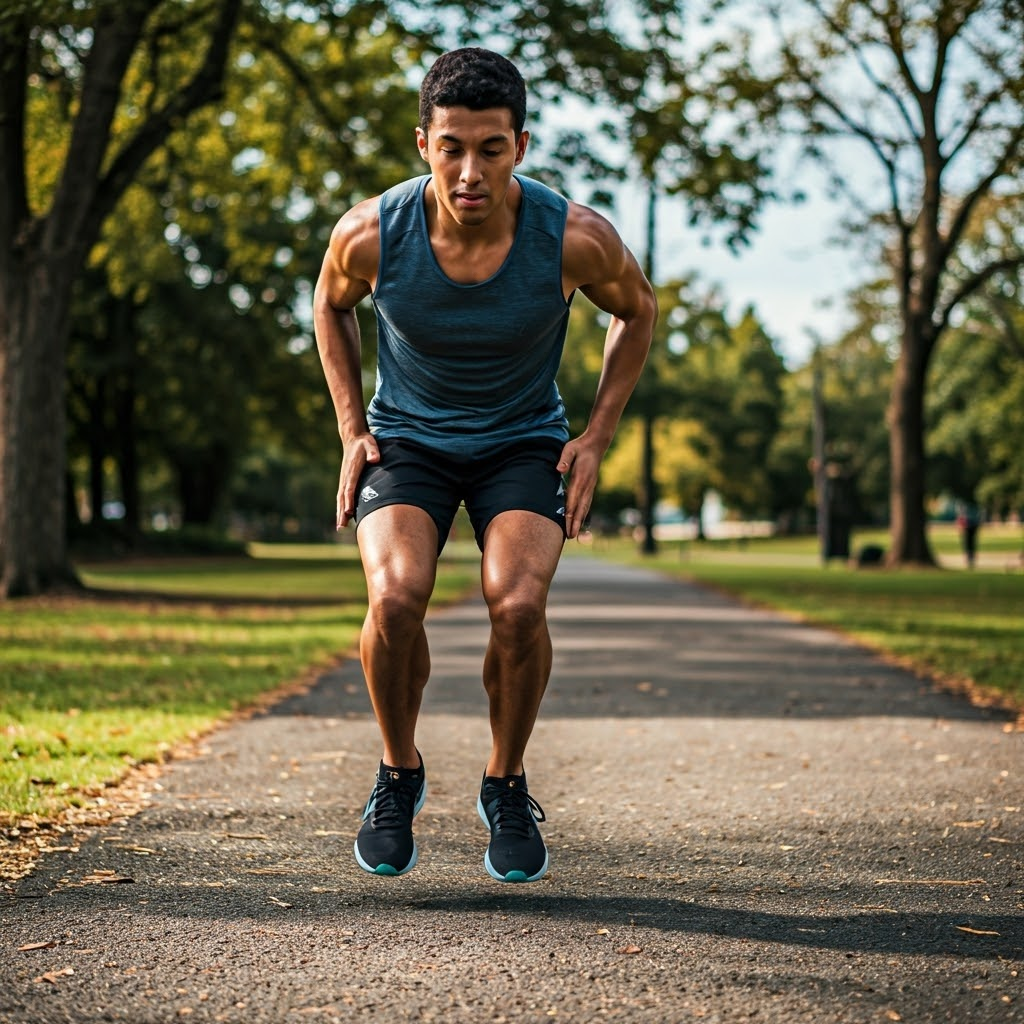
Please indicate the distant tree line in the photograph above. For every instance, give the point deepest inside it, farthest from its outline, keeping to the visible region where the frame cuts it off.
(170, 173)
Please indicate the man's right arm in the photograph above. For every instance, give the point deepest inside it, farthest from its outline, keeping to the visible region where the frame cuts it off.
(347, 276)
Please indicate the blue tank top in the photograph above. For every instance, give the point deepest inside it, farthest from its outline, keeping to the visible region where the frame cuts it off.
(465, 368)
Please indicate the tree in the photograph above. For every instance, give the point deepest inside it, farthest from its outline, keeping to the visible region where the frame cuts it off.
(933, 93)
(126, 76)
(82, 53)
(975, 414)
(229, 222)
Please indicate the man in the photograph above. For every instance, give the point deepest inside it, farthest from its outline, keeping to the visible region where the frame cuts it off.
(472, 270)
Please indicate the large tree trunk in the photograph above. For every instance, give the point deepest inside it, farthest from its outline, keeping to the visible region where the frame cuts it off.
(40, 257)
(33, 533)
(908, 519)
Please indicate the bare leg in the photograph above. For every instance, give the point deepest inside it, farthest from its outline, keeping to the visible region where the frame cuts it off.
(398, 546)
(521, 551)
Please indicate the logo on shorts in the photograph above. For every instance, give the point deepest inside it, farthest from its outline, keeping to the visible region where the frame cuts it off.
(561, 488)
(367, 494)
(560, 511)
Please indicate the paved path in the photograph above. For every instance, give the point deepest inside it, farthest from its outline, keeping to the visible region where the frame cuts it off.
(748, 820)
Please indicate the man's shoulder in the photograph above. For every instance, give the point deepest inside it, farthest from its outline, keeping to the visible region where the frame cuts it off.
(537, 192)
(403, 194)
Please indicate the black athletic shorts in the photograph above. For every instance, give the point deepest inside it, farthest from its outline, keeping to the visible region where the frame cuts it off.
(521, 475)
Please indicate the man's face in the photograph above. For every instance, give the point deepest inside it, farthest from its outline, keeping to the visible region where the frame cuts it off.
(472, 154)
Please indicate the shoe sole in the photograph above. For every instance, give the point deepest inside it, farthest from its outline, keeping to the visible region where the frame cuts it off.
(388, 870)
(515, 877)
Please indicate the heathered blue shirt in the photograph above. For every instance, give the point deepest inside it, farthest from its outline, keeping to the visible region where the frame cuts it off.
(464, 368)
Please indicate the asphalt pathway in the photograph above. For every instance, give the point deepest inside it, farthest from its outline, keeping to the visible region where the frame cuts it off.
(748, 818)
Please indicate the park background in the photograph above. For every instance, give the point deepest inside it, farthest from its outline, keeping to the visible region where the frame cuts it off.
(171, 173)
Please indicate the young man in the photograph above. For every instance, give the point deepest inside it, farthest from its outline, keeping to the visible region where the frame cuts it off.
(471, 270)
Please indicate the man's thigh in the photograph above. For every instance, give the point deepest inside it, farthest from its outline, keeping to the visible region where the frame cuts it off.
(521, 551)
(398, 548)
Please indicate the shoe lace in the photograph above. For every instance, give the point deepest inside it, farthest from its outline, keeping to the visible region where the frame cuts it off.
(394, 803)
(515, 811)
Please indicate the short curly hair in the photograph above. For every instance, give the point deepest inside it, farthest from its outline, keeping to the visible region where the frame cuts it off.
(475, 78)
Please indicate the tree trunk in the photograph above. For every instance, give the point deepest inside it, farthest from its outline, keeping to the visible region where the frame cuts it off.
(123, 343)
(97, 449)
(908, 519)
(201, 484)
(33, 527)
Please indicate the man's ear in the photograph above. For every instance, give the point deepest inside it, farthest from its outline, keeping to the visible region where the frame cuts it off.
(422, 143)
(521, 143)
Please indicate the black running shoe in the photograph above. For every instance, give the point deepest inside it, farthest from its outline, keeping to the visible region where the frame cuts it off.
(385, 844)
(516, 852)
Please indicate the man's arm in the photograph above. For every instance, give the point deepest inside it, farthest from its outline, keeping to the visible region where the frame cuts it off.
(596, 261)
(346, 276)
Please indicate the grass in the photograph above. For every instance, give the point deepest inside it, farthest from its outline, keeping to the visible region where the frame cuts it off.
(157, 653)
(962, 628)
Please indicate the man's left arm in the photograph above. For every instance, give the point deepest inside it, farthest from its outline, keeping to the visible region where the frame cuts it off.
(597, 262)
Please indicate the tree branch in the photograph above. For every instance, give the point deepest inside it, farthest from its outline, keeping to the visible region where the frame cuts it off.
(1011, 335)
(115, 35)
(973, 283)
(1011, 152)
(14, 209)
(200, 90)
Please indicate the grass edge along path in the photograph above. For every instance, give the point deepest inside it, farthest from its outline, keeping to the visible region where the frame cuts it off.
(962, 630)
(99, 690)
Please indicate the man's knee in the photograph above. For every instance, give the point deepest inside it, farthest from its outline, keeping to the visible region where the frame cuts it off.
(397, 604)
(517, 615)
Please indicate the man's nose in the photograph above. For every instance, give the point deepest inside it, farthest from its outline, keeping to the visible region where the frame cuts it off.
(470, 168)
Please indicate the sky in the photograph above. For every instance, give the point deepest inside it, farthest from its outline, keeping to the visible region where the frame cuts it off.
(791, 274)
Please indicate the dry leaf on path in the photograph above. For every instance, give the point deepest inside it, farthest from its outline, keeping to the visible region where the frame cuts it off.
(52, 976)
(49, 944)
(629, 950)
(106, 878)
(973, 931)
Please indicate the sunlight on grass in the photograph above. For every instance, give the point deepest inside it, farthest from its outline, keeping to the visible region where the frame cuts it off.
(90, 686)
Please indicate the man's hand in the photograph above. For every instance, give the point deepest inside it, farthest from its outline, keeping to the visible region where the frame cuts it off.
(358, 452)
(580, 459)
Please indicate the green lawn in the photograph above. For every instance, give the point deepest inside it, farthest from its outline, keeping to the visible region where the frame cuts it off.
(159, 652)
(962, 627)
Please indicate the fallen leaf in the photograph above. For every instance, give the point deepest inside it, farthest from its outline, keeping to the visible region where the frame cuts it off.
(629, 950)
(973, 931)
(281, 903)
(49, 944)
(106, 878)
(969, 824)
(602, 931)
(51, 977)
(893, 1015)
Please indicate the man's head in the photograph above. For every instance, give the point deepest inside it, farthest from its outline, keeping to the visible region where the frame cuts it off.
(474, 78)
